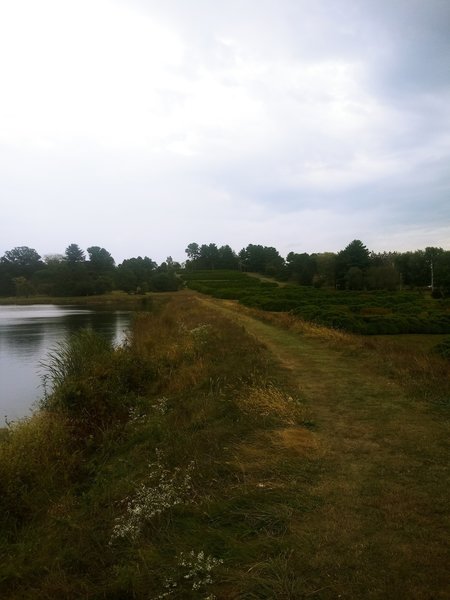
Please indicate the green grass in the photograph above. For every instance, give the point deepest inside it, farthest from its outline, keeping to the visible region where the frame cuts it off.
(299, 460)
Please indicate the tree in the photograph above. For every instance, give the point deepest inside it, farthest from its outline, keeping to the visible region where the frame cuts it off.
(431, 255)
(354, 279)
(165, 282)
(74, 254)
(413, 268)
(76, 280)
(301, 267)
(355, 255)
(227, 258)
(51, 259)
(23, 287)
(442, 275)
(6, 279)
(209, 256)
(193, 251)
(261, 259)
(23, 259)
(383, 277)
(134, 273)
(100, 260)
(172, 265)
(19, 263)
(326, 268)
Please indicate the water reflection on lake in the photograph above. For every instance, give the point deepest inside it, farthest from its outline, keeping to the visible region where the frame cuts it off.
(27, 333)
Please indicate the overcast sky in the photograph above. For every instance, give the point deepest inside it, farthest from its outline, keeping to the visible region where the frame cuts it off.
(144, 125)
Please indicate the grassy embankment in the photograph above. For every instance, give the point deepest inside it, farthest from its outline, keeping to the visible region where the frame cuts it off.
(305, 459)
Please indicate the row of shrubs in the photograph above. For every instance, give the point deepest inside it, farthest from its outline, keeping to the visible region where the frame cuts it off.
(358, 312)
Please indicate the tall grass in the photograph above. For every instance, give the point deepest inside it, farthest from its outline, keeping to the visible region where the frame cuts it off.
(93, 382)
(73, 358)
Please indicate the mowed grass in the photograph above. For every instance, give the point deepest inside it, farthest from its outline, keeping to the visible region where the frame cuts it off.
(231, 453)
(381, 425)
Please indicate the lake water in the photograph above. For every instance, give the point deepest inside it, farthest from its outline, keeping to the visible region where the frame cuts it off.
(27, 333)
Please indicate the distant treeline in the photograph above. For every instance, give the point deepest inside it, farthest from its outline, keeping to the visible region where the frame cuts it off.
(24, 272)
(353, 268)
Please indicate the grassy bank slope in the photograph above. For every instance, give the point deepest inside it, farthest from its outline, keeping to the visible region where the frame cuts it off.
(157, 470)
(217, 455)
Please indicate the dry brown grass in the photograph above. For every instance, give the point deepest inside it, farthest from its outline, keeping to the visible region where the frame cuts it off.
(299, 440)
(293, 323)
(38, 454)
(272, 403)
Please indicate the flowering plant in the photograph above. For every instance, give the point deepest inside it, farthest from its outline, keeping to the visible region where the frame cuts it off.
(162, 491)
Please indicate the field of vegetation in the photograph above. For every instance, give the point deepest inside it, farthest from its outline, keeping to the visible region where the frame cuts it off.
(228, 453)
(363, 312)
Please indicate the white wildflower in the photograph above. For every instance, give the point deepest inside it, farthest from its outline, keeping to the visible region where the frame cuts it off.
(193, 573)
(161, 405)
(162, 491)
(135, 415)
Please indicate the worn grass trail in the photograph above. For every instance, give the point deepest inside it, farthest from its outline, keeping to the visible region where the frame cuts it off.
(380, 528)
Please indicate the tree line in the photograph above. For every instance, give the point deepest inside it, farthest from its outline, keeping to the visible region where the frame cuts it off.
(352, 268)
(23, 272)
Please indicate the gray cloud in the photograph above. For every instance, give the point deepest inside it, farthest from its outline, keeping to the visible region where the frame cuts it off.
(296, 124)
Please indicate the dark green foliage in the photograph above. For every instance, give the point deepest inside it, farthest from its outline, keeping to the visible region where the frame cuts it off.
(23, 258)
(135, 274)
(165, 282)
(262, 259)
(17, 267)
(209, 256)
(301, 268)
(363, 312)
(74, 254)
(22, 273)
(441, 275)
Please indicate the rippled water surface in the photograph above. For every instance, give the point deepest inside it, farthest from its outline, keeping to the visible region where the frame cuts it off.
(27, 333)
